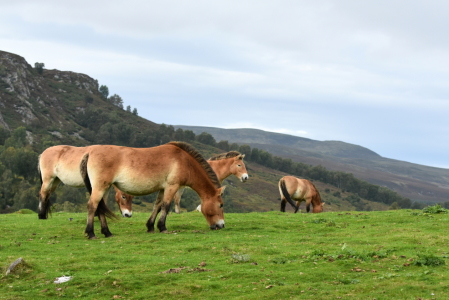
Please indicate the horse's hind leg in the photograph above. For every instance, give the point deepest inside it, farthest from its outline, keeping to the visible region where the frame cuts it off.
(283, 203)
(177, 200)
(156, 210)
(168, 196)
(92, 206)
(48, 187)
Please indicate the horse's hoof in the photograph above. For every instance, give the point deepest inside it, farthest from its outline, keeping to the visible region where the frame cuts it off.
(108, 236)
(150, 231)
(93, 237)
(164, 231)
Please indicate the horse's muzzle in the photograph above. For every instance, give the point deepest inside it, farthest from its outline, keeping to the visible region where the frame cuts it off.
(244, 177)
(217, 226)
(126, 213)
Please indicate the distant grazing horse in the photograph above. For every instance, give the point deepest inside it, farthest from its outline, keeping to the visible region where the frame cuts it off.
(142, 171)
(224, 165)
(62, 164)
(292, 188)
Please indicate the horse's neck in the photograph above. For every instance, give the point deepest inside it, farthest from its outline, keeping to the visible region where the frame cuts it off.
(200, 182)
(221, 168)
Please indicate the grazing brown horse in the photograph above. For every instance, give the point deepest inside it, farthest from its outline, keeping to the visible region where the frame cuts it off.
(292, 188)
(142, 171)
(224, 165)
(61, 164)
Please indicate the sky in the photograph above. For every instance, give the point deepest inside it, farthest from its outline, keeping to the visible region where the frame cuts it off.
(370, 73)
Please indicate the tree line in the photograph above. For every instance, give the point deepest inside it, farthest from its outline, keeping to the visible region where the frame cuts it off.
(20, 183)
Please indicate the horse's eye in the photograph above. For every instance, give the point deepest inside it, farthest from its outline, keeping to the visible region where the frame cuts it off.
(221, 205)
(123, 197)
(239, 165)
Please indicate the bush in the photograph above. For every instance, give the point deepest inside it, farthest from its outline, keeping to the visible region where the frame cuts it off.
(429, 260)
(25, 211)
(436, 209)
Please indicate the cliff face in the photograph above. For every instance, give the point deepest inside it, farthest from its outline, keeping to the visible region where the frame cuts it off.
(30, 98)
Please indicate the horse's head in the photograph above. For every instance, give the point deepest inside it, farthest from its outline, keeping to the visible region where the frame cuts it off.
(238, 168)
(212, 209)
(318, 208)
(125, 203)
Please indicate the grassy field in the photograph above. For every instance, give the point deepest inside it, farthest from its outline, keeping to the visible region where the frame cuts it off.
(333, 255)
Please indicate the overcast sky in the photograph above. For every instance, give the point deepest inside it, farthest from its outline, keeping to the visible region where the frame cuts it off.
(371, 73)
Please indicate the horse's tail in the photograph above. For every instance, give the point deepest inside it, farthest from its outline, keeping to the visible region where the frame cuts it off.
(286, 194)
(39, 167)
(84, 175)
(102, 207)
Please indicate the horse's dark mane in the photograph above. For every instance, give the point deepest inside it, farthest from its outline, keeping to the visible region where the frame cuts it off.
(200, 159)
(225, 155)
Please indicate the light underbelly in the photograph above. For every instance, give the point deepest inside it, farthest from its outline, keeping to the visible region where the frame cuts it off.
(70, 178)
(138, 186)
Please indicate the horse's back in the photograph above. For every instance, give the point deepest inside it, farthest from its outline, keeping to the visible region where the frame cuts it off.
(298, 188)
(136, 171)
(62, 162)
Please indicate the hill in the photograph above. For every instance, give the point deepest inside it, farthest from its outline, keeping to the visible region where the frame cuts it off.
(41, 108)
(414, 181)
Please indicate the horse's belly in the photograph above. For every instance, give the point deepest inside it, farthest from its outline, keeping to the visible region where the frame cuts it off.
(138, 187)
(70, 177)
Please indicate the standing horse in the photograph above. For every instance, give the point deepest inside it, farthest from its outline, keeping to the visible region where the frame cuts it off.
(292, 188)
(61, 164)
(224, 165)
(142, 171)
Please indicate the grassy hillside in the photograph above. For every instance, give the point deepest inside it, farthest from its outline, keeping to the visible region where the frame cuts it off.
(416, 182)
(272, 255)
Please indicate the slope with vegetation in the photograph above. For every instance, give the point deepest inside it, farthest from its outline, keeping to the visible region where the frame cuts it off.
(41, 108)
(417, 182)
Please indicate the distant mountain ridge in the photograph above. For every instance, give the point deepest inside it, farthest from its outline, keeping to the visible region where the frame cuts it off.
(417, 182)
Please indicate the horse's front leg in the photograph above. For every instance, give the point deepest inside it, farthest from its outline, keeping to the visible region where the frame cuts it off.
(102, 217)
(297, 206)
(168, 196)
(156, 210)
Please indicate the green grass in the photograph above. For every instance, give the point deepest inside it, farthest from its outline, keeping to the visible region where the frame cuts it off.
(333, 255)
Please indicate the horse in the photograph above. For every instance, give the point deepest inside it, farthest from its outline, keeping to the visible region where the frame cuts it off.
(142, 171)
(61, 164)
(224, 165)
(292, 188)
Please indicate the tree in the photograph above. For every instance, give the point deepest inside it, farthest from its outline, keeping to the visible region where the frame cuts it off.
(18, 138)
(135, 111)
(245, 149)
(189, 135)
(223, 145)
(234, 146)
(207, 139)
(179, 135)
(4, 134)
(128, 108)
(39, 67)
(104, 91)
(116, 100)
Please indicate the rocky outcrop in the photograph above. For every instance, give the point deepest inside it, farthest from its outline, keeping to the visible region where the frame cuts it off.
(28, 98)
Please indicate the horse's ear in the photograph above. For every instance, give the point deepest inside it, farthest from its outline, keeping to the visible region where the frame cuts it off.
(222, 189)
(241, 156)
(322, 204)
